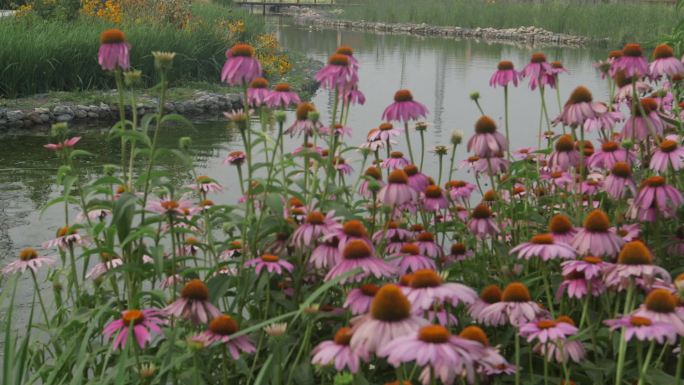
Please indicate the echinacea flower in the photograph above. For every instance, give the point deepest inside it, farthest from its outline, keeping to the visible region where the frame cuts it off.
(427, 288)
(258, 92)
(354, 96)
(487, 141)
(664, 63)
(619, 181)
(562, 228)
(28, 259)
(272, 264)
(443, 355)
(644, 329)
(641, 125)
(404, 108)
(385, 132)
(338, 352)
(547, 331)
(459, 189)
(68, 143)
(668, 154)
(359, 299)
(303, 124)
(492, 362)
(427, 244)
(113, 53)
(595, 237)
(397, 190)
(632, 62)
(326, 254)
(282, 96)
(108, 263)
(660, 305)
(565, 155)
(434, 199)
(235, 158)
(627, 87)
(576, 285)
(580, 107)
(372, 175)
(395, 160)
(390, 317)
(416, 179)
(592, 267)
(608, 154)
(409, 258)
(536, 70)
(605, 120)
(206, 184)
(635, 261)
(144, 322)
(67, 236)
(358, 254)
(490, 294)
(655, 198)
(241, 65)
(481, 222)
(169, 206)
(458, 252)
(515, 308)
(221, 329)
(562, 351)
(316, 226)
(504, 75)
(337, 74)
(544, 246)
(193, 304)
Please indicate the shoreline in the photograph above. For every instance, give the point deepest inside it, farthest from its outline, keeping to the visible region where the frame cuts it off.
(534, 36)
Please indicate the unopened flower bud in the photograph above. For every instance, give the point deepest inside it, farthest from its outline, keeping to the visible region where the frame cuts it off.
(109, 169)
(280, 116)
(184, 142)
(195, 344)
(374, 186)
(421, 126)
(163, 60)
(474, 95)
(627, 144)
(59, 129)
(314, 116)
(456, 137)
(132, 78)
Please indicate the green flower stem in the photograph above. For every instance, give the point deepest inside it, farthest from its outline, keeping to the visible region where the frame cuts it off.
(647, 361)
(408, 141)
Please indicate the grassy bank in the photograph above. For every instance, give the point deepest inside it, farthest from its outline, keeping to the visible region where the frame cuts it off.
(643, 22)
(40, 55)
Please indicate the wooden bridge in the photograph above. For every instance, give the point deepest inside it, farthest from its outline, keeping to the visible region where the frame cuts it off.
(275, 5)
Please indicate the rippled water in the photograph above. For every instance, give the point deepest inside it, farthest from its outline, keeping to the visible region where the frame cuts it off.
(440, 72)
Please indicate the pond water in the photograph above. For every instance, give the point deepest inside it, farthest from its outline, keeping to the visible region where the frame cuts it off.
(441, 73)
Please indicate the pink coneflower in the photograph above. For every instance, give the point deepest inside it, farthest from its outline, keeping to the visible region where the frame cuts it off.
(302, 124)
(605, 120)
(644, 329)
(282, 96)
(558, 179)
(170, 281)
(544, 246)
(342, 166)
(359, 299)
(272, 263)
(596, 238)
(536, 70)
(628, 232)
(235, 158)
(221, 329)
(397, 191)
(619, 181)
(487, 142)
(350, 230)
(677, 239)
(113, 53)
(565, 155)
(357, 253)
(94, 215)
(660, 305)
(28, 259)
(434, 199)
(664, 63)
(193, 304)
(337, 74)
(580, 107)
(458, 252)
(492, 362)
(426, 288)
(433, 347)
(258, 92)
(668, 154)
(338, 352)
(427, 245)
(481, 222)
(592, 267)
(505, 74)
(489, 295)
(169, 206)
(635, 261)
(349, 52)
(385, 132)
(404, 108)
(515, 308)
(627, 86)
(459, 189)
(337, 130)
(372, 175)
(494, 165)
(145, 323)
(564, 351)
(416, 179)
(524, 153)
(316, 226)
(241, 65)
(609, 154)
(562, 228)
(547, 331)
(66, 237)
(576, 285)
(591, 186)
(206, 184)
(354, 96)
(108, 263)
(390, 317)
(658, 198)
(393, 232)
(326, 254)
(395, 160)
(639, 126)
(409, 258)
(69, 143)
(632, 62)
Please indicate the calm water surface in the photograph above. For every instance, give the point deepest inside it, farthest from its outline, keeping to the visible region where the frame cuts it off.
(441, 73)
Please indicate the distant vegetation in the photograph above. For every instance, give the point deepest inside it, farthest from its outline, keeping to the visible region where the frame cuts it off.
(640, 21)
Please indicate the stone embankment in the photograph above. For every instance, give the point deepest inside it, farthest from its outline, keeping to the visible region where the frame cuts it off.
(202, 103)
(521, 35)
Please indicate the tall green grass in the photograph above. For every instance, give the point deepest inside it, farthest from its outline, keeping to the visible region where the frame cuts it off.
(620, 22)
(40, 55)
